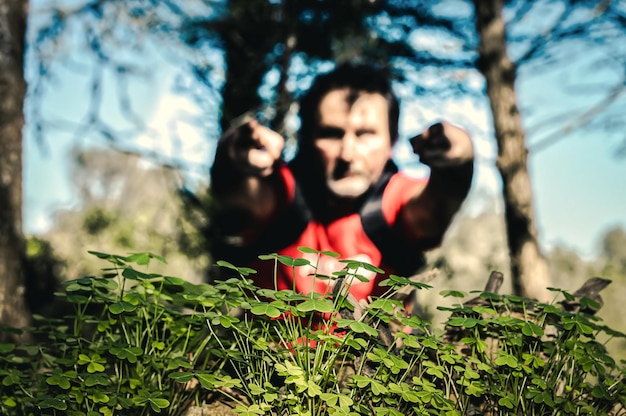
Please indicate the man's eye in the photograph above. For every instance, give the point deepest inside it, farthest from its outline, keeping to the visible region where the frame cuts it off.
(365, 132)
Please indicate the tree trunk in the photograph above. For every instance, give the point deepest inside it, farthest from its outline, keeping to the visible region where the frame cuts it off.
(13, 310)
(529, 271)
(245, 52)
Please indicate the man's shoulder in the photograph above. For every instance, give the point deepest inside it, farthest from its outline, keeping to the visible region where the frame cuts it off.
(418, 173)
(404, 182)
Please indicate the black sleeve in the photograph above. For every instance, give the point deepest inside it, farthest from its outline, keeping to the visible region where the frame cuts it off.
(404, 256)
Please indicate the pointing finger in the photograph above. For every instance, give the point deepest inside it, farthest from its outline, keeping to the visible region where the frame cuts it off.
(267, 139)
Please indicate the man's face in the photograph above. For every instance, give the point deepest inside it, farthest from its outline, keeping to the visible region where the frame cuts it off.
(353, 141)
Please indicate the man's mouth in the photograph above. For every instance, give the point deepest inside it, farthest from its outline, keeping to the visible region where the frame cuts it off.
(347, 175)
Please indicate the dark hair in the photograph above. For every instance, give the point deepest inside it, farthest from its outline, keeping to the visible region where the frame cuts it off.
(357, 78)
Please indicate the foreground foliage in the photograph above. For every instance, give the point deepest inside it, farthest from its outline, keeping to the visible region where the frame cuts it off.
(142, 343)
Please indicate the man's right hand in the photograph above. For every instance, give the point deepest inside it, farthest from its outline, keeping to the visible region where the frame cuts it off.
(254, 149)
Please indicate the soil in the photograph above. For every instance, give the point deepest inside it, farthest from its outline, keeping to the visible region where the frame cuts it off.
(216, 408)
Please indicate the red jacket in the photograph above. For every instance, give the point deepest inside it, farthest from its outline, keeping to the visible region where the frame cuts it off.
(375, 235)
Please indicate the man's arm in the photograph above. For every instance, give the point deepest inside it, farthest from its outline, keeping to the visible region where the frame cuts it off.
(244, 176)
(448, 151)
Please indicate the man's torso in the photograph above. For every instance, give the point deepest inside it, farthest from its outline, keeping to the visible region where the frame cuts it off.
(373, 235)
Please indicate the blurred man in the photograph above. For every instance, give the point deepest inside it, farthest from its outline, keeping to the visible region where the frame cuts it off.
(342, 192)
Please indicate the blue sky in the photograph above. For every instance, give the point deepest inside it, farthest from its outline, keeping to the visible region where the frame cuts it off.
(579, 182)
(580, 191)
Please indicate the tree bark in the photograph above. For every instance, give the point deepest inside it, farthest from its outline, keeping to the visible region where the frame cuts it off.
(13, 309)
(529, 271)
(248, 36)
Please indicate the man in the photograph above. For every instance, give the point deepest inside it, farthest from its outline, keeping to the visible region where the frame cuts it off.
(341, 192)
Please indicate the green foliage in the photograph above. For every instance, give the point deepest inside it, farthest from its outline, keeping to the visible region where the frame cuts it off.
(144, 343)
(125, 204)
(127, 349)
(96, 220)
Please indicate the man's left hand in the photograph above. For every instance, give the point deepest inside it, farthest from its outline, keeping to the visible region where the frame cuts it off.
(443, 145)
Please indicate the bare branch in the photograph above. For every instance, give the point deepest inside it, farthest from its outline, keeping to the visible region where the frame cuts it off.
(581, 120)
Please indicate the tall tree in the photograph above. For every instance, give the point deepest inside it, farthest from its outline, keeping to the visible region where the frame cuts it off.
(528, 265)
(13, 310)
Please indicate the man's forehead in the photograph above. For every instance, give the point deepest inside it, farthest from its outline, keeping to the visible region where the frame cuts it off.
(344, 99)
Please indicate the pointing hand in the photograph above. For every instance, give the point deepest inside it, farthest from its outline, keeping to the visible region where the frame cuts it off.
(443, 145)
(254, 148)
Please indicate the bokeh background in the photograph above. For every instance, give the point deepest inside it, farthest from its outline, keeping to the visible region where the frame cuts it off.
(126, 100)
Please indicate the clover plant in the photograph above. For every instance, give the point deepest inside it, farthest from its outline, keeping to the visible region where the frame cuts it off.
(139, 343)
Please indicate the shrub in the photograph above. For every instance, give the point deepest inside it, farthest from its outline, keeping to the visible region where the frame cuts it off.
(142, 343)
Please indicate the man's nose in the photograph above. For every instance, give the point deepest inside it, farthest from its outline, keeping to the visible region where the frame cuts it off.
(348, 144)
